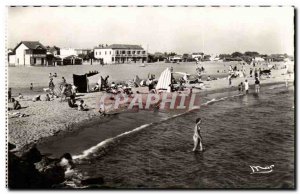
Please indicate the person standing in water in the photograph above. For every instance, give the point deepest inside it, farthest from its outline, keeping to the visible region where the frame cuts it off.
(246, 85)
(197, 135)
(257, 85)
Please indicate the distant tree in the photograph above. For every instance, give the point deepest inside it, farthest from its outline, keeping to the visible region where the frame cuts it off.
(151, 58)
(91, 55)
(264, 56)
(171, 54)
(236, 54)
(185, 57)
(223, 56)
(159, 56)
(252, 53)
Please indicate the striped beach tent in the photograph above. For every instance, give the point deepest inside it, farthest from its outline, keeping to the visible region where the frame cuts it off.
(164, 80)
(57, 90)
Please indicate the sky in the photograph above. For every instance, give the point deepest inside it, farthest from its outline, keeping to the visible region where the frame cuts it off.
(212, 30)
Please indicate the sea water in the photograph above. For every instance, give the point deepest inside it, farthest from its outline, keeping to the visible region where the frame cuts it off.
(238, 131)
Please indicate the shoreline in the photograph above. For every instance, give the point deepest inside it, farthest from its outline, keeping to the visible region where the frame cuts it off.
(43, 130)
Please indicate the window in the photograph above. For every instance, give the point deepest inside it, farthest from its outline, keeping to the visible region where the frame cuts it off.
(34, 60)
(110, 52)
(105, 52)
(144, 52)
(112, 59)
(99, 53)
(128, 52)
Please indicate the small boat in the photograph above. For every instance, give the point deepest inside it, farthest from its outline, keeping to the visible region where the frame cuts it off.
(143, 65)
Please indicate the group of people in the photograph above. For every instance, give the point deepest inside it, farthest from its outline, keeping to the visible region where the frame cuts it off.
(80, 106)
(51, 76)
(244, 86)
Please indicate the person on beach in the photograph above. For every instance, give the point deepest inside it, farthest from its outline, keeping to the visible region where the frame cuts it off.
(72, 102)
(244, 71)
(241, 87)
(229, 78)
(208, 78)
(246, 85)
(55, 75)
(102, 109)
(31, 86)
(66, 162)
(82, 106)
(63, 92)
(257, 85)
(251, 70)
(255, 73)
(51, 85)
(16, 104)
(21, 96)
(197, 135)
(36, 98)
(50, 75)
(63, 80)
(47, 98)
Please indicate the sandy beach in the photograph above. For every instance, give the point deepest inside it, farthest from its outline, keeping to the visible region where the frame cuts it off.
(45, 119)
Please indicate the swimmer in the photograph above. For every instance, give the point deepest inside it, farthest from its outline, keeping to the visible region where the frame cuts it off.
(197, 136)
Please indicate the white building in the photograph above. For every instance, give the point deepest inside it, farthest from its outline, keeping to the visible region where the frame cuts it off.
(198, 56)
(175, 58)
(28, 53)
(120, 53)
(65, 52)
(258, 59)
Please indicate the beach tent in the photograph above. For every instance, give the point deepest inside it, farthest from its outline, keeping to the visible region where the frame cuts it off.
(81, 82)
(58, 87)
(164, 80)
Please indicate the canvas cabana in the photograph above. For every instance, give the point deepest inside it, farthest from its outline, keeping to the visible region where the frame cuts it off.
(164, 81)
(82, 82)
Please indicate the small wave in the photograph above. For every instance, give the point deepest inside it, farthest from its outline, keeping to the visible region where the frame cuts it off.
(221, 99)
(106, 142)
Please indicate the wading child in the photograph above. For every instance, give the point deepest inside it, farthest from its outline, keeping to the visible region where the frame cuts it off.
(197, 135)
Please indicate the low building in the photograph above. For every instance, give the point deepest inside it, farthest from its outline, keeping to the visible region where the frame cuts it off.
(198, 56)
(72, 60)
(175, 58)
(120, 53)
(65, 52)
(82, 51)
(258, 59)
(28, 53)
